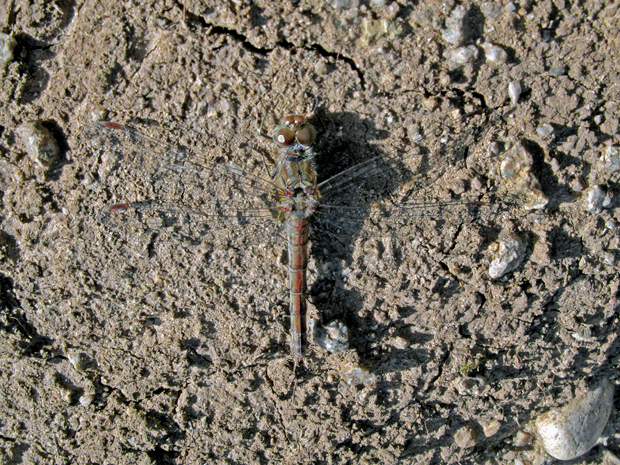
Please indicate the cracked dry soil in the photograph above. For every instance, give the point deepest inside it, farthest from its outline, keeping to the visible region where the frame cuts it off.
(167, 349)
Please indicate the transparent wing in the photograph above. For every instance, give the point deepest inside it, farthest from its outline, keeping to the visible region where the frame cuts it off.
(398, 190)
(168, 187)
(393, 185)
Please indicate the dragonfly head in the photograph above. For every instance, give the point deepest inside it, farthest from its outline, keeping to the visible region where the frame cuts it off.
(294, 132)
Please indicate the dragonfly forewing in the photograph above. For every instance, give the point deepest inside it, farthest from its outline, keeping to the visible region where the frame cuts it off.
(186, 191)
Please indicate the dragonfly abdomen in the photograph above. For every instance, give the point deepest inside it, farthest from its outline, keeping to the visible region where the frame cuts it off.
(297, 237)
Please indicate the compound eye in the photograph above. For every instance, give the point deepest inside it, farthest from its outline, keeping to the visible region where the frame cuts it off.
(294, 120)
(306, 135)
(284, 137)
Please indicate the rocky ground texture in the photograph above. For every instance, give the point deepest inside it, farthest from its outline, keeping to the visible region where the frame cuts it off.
(453, 330)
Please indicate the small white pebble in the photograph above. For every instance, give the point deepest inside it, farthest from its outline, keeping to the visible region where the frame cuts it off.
(86, 399)
(509, 254)
(577, 185)
(320, 68)
(333, 337)
(344, 4)
(494, 53)
(490, 427)
(557, 71)
(399, 342)
(7, 46)
(461, 55)
(545, 130)
(392, 10)
(470, 385)
(555, 164)
(98, 113)
(522, 439)
(609, 258)
(493, 149)
(430, 103)
(455, 26)
(39, 143)
(356, 375)
(583, 334)
(466, 437)
(611, 158)
(594, 199)
(514, 91)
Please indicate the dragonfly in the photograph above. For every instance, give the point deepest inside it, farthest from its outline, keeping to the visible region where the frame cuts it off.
(190, 191)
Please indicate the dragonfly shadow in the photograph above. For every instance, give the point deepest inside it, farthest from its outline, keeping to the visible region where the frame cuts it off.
(381, 210)
(343, 146)
(355, 177)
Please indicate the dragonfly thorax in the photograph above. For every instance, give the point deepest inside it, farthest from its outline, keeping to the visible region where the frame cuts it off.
(300, 202)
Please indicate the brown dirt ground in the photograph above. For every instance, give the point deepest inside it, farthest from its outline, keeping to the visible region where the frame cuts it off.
(178, 352)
